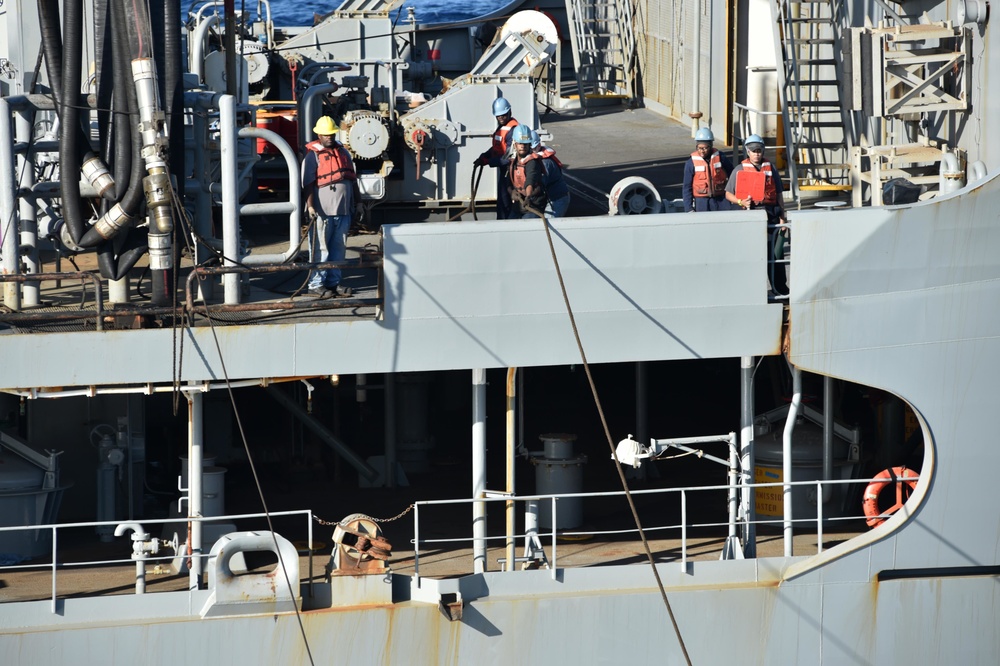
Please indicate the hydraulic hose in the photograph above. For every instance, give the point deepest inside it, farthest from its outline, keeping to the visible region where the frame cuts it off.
(174, 101)
(105, 85)
(477, 172)
(52, 46)
(127, 145)
(123, 214)
(69, 148)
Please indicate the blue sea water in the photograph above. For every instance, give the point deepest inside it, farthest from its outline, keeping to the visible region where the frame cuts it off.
(299, 12)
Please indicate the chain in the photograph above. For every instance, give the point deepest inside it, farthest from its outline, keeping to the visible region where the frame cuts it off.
(364, 516)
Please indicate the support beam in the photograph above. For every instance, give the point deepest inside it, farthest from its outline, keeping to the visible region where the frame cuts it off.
(478, 469)
(511, 451)
(321, 431)
(747, 461)
(786, 458)
(195, 455)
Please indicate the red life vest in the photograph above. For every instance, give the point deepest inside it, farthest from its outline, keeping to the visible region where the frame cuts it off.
(333, 165)
(770, 188)
(547, 153)
(500, 145)
(709, 176)
(517, 175)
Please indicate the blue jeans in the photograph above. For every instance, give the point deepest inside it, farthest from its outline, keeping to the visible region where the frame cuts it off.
(328, 243)
(557, 207)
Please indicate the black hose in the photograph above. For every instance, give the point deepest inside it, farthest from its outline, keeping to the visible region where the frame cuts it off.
(126, 149)
(174, 101)
(129, 148)
(69, 148)
(133, 196)
(105, 84)
(116, 257)
(477, 173)
(136, 27)
(52, 46)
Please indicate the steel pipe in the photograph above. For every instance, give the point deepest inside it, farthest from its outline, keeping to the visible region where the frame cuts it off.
(9, 232)
(230, 209)
(786, 459)
(479, 469)
(293, 206)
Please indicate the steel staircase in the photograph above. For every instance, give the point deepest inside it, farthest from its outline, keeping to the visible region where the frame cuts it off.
(815, 120)
(604, 52)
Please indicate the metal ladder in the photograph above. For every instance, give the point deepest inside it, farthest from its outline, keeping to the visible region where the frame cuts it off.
(807, 40)
(604, 52)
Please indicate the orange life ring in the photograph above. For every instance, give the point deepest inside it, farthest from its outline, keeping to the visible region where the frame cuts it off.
(896, 476)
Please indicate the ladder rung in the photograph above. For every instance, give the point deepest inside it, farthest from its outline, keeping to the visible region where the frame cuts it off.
(826, 188)
(817, 61)
(809, 113)
(815, 123)
(808, 166)
(821, 145)
(811, 103)
(816, 40)
(819, 82)
(811, 20)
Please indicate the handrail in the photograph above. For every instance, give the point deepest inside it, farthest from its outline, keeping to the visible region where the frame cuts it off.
(684, 526)
(39, 277)
(55, 527)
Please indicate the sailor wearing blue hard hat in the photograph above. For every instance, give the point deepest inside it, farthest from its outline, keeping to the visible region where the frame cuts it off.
(755, 183)
(556, 188)
(705, 175)
(527, 188)
(497, 154)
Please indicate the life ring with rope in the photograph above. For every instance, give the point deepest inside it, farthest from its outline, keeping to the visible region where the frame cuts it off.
(895, 476)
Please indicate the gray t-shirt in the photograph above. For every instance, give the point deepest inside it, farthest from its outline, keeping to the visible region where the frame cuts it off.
(333, 199)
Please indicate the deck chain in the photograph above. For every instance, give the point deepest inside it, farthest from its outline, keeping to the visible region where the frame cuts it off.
(365, 516)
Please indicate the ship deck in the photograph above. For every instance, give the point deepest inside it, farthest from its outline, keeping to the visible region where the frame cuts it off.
(445, 531)
(643, 143)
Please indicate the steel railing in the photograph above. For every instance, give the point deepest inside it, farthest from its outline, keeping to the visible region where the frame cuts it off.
(683, 527)
(55, 565)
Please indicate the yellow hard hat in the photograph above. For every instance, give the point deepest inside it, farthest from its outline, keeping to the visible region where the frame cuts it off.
(325, 126)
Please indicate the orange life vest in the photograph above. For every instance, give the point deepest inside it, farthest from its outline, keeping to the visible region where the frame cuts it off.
(709, 176)
(547, 153)
(333, 165)
(770, 188)
(517, 175)
(500, 145)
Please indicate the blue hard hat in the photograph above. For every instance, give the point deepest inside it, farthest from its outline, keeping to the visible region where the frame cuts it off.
(704, 134)
(535, 139)
(501, 106)
(754, 140)
(522, 134)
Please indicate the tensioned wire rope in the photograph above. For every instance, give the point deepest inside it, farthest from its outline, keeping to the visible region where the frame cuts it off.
(607, 431)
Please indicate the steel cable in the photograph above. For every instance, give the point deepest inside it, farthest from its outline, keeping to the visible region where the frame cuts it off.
(607, 432)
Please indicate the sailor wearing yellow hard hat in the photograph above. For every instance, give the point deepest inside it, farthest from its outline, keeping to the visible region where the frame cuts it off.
(330, 190)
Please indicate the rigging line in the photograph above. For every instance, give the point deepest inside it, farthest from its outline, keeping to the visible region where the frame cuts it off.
(178, 359)
(260, 491)
(607, 433)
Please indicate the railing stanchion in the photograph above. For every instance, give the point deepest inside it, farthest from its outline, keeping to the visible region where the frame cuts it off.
(684, 531)
(55, 546)
(309, 535)
(416, 543)
(819, 516)
(554, 566)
